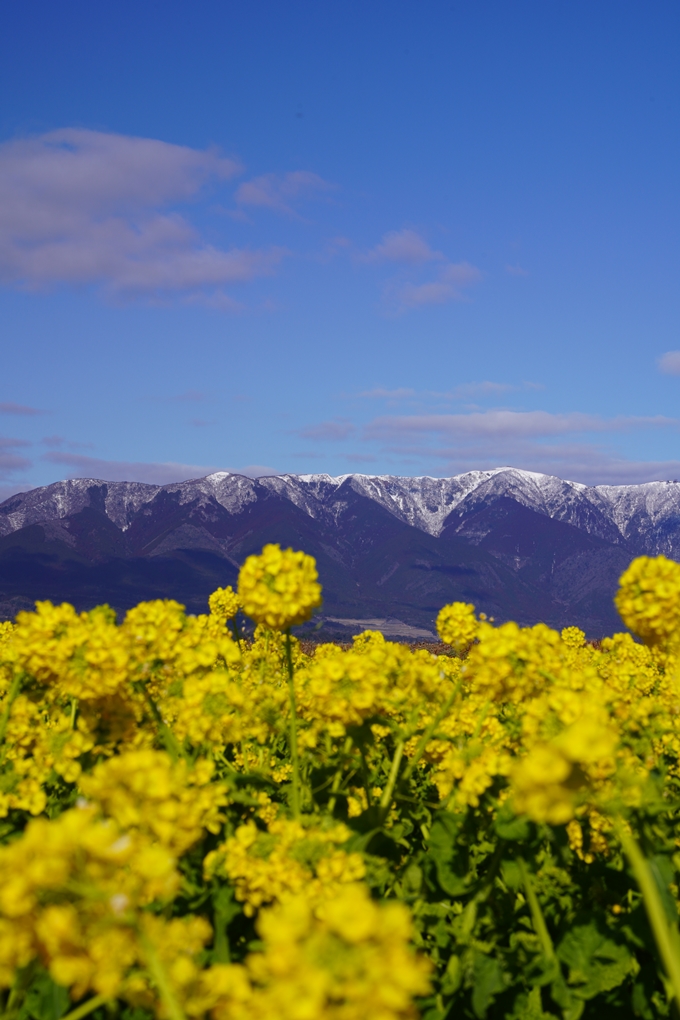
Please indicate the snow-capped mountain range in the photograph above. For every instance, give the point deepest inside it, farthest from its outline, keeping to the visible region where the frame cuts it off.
(518, 543)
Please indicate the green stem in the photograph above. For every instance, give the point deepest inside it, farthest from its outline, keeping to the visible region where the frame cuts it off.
(74, 710)
(9, 701)
(293, 729)
(427, 735)
(337, 777)
(469, 916)
(366, 777)
(221, 952)
(540, 927)
(169, 739)
(21, 982)
(481, 720)
(665, 935)
(386, 799)
(157, 972)
(87, 1007)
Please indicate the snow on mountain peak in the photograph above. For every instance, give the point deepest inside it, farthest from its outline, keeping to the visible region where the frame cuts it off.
(615, 513)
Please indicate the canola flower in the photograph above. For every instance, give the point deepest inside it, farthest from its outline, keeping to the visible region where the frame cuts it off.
(457, 625)
(287, 859)
(198, 824)
(648, 598)
(71, 891)
(279, 588)
(224, 603)
(346, 960)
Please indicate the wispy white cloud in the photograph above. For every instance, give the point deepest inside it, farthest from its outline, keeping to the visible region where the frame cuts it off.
(669, 363)
(569, 444)
(220, 301)
(339, 245)
(380, 393)
(256, 471)
(10, 460)
(360, 458)
(8, 407)
(505, 424)
(58, 442)
(579, 462)
(138, 471)
(516, 271)
(405, 246)
(450, 284)
(190, 397)
(80, 466)
(335, 430)
(279, 192)
(485, 388)
(560, 444)
(86, 207)
(465, 391)
(9, 489)
(440, 280)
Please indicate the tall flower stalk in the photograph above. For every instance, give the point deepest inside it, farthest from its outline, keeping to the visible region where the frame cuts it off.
(295, 762)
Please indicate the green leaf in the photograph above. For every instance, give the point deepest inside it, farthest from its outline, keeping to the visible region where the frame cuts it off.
(510, 826)
(664, 876)
(453, 976)
(45, 1000)
(135, 1013)
(412, 882)
(434, 1013)
(529, 1007)
(488, 982)
(512, 874)
(596, 962)
(643, 994)
(450, 860)
(226, 909)
(572, 1007)
(362, 735)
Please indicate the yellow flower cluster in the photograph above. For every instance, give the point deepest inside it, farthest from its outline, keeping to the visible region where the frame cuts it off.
(338, 688)
(573, 637)
(224, 603)
(71, 891)
(347, 959)
(80, 655)
(457, 625)
(215, 778)
(287, 859)
(279, 588)
(40, 739)
(548, 780)
(648, 599)
(145, 792)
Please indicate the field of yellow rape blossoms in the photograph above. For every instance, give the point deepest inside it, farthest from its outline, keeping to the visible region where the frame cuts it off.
(194, 824)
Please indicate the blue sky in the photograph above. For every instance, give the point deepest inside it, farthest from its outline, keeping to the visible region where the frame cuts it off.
(406, 238)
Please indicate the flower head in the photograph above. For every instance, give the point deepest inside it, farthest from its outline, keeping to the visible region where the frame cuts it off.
(457, 625)
(648, 598)
(224, 603)
(279, 588)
